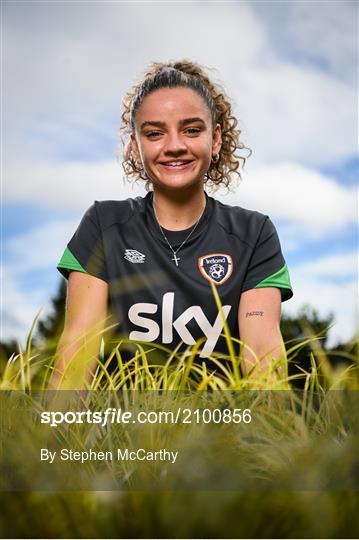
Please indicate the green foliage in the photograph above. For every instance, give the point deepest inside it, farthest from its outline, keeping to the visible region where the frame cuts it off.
(303, 438)
(294, 331)
(50, 328)
(152, 366)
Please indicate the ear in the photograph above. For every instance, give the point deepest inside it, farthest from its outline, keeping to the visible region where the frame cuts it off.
(216, 139)
(135, 148)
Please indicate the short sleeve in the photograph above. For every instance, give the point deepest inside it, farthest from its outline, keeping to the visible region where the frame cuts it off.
(267, 267)
(85, 251)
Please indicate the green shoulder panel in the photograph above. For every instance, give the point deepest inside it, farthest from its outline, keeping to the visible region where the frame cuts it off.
(69, 262)
(281, 280)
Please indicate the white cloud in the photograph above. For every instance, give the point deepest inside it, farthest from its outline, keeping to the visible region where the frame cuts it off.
(98, 49)
(327, 297)
(66, 185)
(307, 196)
(325, 31)
(330, 284)
(336, 266)
(311, 204)
(67, 66)
(40, 247)
(294, 112)
(289, 111)
(18, 308)
(321, 33)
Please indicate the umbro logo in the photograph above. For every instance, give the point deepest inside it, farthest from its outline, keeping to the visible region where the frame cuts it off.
(134, 256)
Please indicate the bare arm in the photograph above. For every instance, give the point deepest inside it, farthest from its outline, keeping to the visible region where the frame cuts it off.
(259, 320)
(86, 309)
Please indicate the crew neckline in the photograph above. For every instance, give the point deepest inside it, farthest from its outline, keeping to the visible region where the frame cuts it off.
(177, 237)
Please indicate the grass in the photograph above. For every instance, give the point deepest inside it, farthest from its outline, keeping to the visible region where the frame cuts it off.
(291, 473)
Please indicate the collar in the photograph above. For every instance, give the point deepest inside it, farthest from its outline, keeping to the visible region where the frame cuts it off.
(176, 237)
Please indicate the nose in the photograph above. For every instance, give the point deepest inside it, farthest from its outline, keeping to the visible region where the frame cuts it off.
(174, 144)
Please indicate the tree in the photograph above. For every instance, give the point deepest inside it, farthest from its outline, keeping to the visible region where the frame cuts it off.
(7, 349)
(307, 323)
(49, 329)
(52, 326)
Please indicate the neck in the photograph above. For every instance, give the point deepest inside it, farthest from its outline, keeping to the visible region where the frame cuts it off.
(180, 211)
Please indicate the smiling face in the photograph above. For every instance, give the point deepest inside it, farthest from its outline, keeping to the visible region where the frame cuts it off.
(175, 139)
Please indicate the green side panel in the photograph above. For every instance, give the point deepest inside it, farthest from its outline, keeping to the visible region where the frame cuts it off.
(69, 262)
(281, 280)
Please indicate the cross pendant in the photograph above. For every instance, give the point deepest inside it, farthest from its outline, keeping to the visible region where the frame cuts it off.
(176, 259)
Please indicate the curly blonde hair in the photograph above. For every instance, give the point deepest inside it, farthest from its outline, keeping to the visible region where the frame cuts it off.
(187, 74)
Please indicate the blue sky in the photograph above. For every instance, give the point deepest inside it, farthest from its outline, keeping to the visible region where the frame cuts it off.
(291, 70)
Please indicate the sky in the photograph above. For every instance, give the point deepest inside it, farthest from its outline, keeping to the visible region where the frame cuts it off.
(290, 69)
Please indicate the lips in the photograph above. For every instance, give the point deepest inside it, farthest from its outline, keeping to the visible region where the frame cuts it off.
(176, 165)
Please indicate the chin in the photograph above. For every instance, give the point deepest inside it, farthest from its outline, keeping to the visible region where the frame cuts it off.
(177, 184)
(178, 181)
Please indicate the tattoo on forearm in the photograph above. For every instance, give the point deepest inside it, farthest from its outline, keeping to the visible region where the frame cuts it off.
(254, 313)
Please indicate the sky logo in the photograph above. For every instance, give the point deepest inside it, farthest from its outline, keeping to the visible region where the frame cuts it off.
(151, 330)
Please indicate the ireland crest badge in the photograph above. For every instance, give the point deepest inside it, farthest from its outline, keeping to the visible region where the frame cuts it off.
(216, 267)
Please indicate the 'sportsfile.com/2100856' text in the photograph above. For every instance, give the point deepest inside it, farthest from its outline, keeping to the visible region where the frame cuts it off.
(118, 416)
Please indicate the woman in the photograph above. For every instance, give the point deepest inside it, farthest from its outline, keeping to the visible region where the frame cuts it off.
(153, 258)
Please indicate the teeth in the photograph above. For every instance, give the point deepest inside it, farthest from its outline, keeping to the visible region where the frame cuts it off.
(176, 163)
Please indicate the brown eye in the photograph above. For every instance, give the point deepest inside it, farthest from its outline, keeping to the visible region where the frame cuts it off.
(153, 134)
(193, 131)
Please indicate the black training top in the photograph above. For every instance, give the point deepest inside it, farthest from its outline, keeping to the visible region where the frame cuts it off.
(155, 300)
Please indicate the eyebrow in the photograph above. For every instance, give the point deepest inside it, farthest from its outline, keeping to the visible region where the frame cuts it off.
(182, 123)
